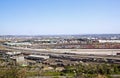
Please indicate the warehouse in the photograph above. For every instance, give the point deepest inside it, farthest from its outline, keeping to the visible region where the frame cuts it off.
(109, 41)
(13, 53)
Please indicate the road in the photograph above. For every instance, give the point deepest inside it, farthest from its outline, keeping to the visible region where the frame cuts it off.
(80, 53)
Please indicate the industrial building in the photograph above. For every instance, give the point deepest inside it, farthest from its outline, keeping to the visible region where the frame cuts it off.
(19, 60)
(109, 41)
(13, 53)
(18, 44)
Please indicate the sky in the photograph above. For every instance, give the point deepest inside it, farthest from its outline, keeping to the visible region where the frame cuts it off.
(56, 17)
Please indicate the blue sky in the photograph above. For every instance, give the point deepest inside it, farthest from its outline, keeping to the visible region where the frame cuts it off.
(54, 17)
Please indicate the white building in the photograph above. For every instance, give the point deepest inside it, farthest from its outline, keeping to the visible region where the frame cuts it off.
(109, 41)
(13, 53)
(19, 60)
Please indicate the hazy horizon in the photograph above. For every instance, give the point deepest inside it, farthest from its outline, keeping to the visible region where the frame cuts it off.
(58, 34)
(59, 17)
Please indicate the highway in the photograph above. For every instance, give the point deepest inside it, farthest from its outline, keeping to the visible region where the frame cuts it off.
(75, 51)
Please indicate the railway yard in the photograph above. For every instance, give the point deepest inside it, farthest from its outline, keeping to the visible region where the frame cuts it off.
(52, 59)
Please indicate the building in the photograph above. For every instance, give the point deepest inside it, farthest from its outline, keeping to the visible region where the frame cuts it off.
(13, 53)
(19, 60)
(18, 44)
(109, 41)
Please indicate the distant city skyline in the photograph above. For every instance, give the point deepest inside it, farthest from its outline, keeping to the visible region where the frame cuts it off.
(59, 17)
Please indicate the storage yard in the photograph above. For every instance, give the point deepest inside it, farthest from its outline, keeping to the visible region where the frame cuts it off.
(85, 55)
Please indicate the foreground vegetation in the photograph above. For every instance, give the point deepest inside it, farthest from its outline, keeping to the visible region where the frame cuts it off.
(92, 71)
(78, 71)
